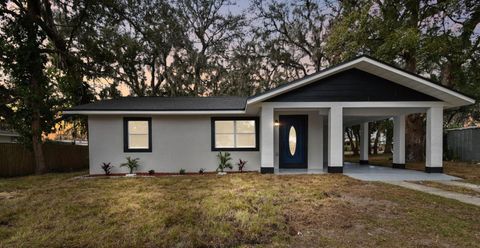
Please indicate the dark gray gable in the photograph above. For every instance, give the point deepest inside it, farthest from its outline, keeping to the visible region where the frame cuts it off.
(352, 85)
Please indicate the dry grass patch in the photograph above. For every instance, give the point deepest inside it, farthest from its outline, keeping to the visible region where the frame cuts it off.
(235, 210)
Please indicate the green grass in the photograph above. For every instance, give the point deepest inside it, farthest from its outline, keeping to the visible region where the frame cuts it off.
(57, 210)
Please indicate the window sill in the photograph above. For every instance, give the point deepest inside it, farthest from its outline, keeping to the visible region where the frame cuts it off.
(253, 149)
(137, 150)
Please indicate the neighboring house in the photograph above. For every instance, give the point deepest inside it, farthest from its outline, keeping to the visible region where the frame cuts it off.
(297, 125)
(463, 143)
(8, 136)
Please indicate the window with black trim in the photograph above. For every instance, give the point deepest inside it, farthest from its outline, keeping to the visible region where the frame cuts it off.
(137, 134)
(235, 134)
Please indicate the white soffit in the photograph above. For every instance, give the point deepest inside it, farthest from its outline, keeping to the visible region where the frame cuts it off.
(452, 98)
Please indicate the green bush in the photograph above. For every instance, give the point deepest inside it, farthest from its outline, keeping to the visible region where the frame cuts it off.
(225, 159)
(132, 164)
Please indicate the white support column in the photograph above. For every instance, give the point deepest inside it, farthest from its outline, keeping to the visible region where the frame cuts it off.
(335, 140)
(434, 151)
(267, 140)
(399, 142)
(364, 143)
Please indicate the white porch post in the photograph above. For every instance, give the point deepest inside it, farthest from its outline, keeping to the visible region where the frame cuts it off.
(335, 140)
(364, 143)
(266, 141)
(399, 142)
(434, 151)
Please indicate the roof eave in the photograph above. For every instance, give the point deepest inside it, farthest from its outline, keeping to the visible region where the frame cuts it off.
(150, 112)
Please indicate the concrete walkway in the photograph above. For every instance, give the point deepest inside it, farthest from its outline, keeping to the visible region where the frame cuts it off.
(380, 173)
(439, 192)
(462, 184)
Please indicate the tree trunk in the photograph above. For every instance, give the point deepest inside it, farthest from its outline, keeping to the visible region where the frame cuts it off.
(388, 138)
(352, 143)
(40, 166)
(388, 145)
(375, 143)
(415, 138)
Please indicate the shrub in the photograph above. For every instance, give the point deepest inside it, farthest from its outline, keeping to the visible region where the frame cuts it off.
(151, 172)
(225, 159)
(107, 167)
(201, 171)
(241, 164)
(132, 164)
(182, 171)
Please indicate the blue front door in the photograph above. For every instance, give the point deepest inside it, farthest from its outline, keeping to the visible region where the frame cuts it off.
(293, 139)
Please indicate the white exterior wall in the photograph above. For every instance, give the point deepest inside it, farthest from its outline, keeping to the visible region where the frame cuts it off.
(315, 138)
(177, 142)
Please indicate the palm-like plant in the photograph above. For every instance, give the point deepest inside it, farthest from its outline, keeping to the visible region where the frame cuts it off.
(224, 159)
(132, 164)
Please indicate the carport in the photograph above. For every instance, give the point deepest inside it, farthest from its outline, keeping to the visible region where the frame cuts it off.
(302, 123)
(379, 173)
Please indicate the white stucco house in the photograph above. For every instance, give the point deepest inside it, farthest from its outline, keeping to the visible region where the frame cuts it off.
(8, 136)
(297, 125)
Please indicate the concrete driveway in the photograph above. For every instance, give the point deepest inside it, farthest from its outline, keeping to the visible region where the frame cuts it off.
(379, 173)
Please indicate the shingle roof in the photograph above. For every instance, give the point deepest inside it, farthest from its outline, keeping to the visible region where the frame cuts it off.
(9, 133)
(166, 104)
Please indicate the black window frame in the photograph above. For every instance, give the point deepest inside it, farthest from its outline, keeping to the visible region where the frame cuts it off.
(234, 149)
(125, 134)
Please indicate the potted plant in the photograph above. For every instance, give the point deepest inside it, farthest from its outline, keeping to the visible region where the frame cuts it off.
(241, 164)
(224, 162)
(132, 164)
(107, 167)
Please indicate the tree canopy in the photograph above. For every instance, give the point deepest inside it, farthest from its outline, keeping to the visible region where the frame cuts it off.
(56, 54)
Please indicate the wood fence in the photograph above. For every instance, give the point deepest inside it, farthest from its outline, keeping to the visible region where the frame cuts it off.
(17, 160)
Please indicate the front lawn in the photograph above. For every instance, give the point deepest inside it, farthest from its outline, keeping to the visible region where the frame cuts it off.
(57, 210)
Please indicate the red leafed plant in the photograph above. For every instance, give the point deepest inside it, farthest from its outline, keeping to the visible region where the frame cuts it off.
(241, 164)
(107, 167)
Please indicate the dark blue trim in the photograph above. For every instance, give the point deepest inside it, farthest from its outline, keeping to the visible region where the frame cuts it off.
(267, 170)
(257, 133)
(398, 166)
(434, 169)
(335, 169)
(125, 133)
(299, 160)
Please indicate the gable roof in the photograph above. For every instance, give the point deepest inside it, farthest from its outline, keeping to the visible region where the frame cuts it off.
(352, 85)
(365, 63)
(167, 104)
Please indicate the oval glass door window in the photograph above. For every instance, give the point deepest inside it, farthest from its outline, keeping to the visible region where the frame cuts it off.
(292, 140)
